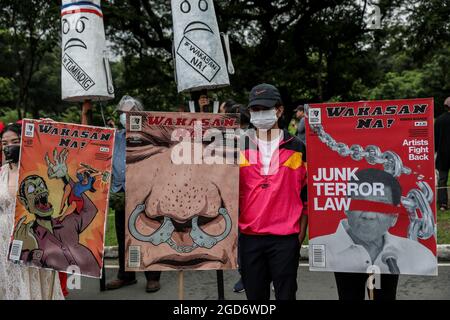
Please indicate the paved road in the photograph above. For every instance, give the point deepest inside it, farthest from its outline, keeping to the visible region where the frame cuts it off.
(202, 285)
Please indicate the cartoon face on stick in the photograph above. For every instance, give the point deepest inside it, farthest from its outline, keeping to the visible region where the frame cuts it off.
(198, 53)
(85, 72)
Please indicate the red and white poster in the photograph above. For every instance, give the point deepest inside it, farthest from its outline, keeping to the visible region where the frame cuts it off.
(371, 187)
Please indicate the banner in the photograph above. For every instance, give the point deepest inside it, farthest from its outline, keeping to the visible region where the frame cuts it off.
(62, 199)
(85, 70)
(197, 48)
(182, 186)
(371, 185)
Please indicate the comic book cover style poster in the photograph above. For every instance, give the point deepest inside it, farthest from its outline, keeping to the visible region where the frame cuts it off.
(182, 184)
(371, 187)
(62, 198)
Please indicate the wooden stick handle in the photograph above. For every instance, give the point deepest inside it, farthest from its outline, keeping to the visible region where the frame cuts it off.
(86, 113)
(52, 284)
(180, 285)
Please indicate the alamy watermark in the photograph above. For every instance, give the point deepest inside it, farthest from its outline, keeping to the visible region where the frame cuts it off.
(73, 278)
(229, 146)
(374, 279)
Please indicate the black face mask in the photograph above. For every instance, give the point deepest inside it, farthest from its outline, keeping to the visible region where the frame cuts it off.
(12, 153)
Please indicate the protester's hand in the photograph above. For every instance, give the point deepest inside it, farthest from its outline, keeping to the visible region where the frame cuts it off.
(301, 238)
(303, 228)
(110, 123)
(23, 232)
(204, 101)
(58, 168)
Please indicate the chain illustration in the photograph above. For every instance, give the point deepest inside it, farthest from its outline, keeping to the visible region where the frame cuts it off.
(417, 201)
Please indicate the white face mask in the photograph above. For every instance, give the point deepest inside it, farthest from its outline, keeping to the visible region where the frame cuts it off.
(264, 119)
(123, 119)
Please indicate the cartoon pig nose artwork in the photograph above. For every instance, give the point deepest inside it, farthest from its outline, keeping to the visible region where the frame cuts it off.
(198, 53)
(85, 72)
(181, 200)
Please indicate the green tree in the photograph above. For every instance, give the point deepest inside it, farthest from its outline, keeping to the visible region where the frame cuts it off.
(312, 50)
(29, 32)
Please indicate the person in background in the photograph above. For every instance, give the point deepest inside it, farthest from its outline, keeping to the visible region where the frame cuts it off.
(63, 282)
(442, 149)
(202, 101)
(273, 218)
(301, 130)
(17, 282)
(110, 123)
(245, 117)
(292, 127)
(181, 108)
(117, 201)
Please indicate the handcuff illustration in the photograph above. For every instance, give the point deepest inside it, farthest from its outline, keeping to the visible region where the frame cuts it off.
(164, 233)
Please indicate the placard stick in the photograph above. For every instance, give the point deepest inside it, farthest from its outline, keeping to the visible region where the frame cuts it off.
(52, 285)
(220, 285)
(86, 113)
(180, 285)
(103, 278)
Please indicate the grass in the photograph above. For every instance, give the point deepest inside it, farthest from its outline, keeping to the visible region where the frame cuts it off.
(110, 238)
(443, 223)
(443, 226)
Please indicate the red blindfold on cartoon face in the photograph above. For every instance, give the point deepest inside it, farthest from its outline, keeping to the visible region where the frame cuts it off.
(373, 206)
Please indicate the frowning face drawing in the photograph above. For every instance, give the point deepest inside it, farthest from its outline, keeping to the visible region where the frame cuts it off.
(85, 67)
(198, 52)
(179, 216)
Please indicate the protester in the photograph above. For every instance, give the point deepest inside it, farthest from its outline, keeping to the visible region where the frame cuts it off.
(117, 201)
(301, 129)
(273, 208)
(292, 127)
(181, 108)
(442, 149)
(16, 282)
(245, 117)
(202, 101)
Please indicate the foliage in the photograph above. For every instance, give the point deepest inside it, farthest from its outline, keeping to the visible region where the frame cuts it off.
(313, 51)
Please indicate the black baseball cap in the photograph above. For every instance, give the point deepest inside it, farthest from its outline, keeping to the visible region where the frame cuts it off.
(264, 95)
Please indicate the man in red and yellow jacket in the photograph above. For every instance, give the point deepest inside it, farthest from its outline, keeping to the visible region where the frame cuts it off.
(273, 208)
